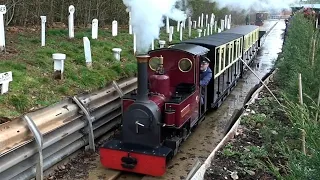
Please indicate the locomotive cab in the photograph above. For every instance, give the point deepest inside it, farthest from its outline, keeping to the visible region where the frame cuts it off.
(181, 62)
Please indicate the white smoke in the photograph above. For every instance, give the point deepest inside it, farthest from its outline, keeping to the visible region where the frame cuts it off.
(255, 4)
(147, 17)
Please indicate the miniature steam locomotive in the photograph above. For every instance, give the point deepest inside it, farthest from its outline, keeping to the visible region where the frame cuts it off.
(260, 18)
(166, 107)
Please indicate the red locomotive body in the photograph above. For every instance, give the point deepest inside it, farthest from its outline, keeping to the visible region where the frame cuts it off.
(173, 101)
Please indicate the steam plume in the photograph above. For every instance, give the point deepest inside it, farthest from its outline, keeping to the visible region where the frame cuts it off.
(255, 4)
(147, 18)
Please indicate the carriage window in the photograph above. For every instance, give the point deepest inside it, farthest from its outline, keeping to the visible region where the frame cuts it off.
(217, 60)
(245, 42)
(185, 65)
(154, 63)
(223, 56)
(235, 46)
(255, 36)
(226, 60)
(240, 47)
(231, 52)
(252, 37)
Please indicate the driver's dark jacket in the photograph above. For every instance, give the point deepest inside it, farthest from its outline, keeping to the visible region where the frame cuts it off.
(205, 77)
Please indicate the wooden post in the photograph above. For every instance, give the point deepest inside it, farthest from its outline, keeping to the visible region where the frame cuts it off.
(318, 104)
(95, 27)
(313, 50)
(300, 89)
(301, 102)
(304, 142)
(71, 21)
(87, 51)
(114, 28)
(43, 30)
(3, 11)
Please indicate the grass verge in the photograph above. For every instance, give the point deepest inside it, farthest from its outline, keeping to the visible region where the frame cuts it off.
(33, 85)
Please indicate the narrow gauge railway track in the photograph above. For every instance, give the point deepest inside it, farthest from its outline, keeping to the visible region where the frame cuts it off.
(129, 176)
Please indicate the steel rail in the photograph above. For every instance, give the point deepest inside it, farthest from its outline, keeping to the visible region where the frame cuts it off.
(63, 128)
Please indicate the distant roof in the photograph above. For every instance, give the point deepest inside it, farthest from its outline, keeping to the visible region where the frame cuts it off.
(213, 40)
(243, 30)
(189, 48)
(315, 6)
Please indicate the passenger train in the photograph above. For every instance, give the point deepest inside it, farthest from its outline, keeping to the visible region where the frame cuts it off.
(166, 107)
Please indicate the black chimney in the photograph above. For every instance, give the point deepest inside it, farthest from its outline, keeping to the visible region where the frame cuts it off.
(142, 95)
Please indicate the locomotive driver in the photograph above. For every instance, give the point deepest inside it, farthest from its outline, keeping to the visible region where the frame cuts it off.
(205, 75)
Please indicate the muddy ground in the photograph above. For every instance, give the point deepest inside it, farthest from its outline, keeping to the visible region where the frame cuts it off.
(247, 156)
(4, 119)
(79, 165)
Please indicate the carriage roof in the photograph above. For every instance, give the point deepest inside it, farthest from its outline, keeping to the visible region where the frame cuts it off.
(213, 40)
(243, 30)
(188, 48)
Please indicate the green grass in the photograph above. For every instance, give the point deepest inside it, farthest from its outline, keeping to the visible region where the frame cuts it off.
(33, 85)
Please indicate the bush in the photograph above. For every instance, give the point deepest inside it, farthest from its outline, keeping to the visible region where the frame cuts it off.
(298, 58)
(297, 53)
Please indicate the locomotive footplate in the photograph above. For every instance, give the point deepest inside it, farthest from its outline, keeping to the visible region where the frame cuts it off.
(134, 158)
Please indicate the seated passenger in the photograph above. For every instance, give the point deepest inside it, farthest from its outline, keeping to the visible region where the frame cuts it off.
(205, 75)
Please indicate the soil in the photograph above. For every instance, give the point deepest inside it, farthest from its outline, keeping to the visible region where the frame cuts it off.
(74, 168)
(79, 167)
(4, 119)
(237, 160)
